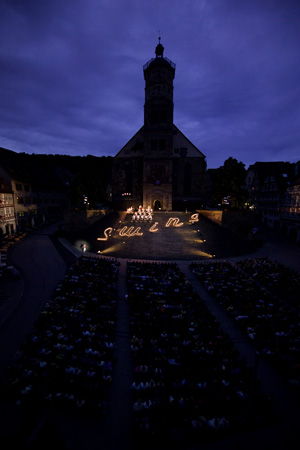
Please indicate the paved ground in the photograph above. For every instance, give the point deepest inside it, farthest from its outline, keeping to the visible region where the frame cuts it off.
(42, 262)
(41, 268)
(169, 236)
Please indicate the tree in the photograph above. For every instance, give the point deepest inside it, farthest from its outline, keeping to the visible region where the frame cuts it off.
(228, 184)
(92, 179)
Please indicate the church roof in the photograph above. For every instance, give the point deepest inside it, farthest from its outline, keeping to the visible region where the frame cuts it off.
(182, 146)
(180, 138)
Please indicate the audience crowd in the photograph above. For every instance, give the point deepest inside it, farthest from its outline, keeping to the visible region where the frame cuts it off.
(67, 361)
(189, 382)
(279, 279)
(6, 242)
(263, 297)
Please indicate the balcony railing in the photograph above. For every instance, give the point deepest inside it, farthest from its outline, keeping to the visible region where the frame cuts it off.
(7, 218)
(173, 65)
(6, 204)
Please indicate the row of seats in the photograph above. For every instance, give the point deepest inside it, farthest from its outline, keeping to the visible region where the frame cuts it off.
(67, 362)
(189, 382)
(278, 278)
(263, 297)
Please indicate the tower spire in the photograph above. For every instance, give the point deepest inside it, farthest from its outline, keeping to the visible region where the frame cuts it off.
(159, 51)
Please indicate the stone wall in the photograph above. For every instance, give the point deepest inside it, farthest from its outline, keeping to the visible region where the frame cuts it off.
(214, 216)
(241, 222)
(79, 219)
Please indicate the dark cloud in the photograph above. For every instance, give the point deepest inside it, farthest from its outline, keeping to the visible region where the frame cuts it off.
(71, 78)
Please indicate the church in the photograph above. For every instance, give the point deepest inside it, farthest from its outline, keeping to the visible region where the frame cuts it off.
(159, 167)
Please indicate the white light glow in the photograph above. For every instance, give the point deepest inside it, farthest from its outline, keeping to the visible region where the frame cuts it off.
(107, 234)
(130, 231)
(194, 218)
(153, 228)
(174, 221)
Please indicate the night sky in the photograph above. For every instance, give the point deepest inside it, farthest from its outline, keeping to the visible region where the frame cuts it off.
(71, 75)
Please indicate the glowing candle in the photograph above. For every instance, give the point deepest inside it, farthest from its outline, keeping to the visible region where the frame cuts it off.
(174, 221)
(153, 228)
(107, 234)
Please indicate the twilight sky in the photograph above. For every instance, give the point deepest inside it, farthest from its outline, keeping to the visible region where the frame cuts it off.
(71, 75)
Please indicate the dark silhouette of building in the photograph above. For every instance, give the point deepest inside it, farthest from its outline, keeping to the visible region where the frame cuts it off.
(159, 167)
(31, 193)
(274, 193)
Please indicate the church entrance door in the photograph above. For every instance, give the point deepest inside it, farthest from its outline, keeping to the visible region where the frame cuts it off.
(156, 205)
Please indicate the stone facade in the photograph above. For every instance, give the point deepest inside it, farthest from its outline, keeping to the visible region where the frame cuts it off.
(7, 208)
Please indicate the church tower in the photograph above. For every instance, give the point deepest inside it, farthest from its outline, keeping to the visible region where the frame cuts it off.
(159, 167)
(159, 74)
